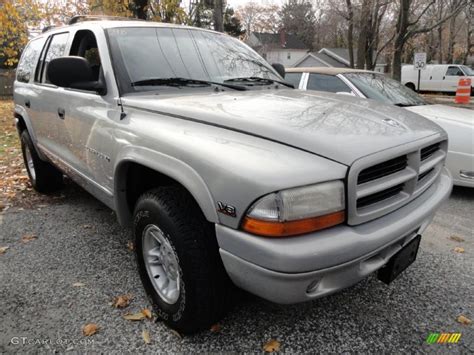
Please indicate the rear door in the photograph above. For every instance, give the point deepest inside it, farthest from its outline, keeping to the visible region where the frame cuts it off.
(24, 93)
(44, 101)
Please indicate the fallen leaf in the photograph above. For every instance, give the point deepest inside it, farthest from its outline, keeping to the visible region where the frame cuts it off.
(456, 238)
(3, 250)
(271, 346)
(147, 313)
(458, 250)
(90, 329)
(176, 334)
(28, 238)
(215, 328)
(463, 320)
(78, 284)
(134, 316)
(121, 301)
(146, 336)
(130, 246)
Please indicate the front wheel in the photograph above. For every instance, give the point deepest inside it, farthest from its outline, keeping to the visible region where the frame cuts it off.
(43, 176)
(178, 260)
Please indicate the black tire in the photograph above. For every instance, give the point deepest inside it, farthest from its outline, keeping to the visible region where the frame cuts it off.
(410, 86)
(45, 178)
(206, 290)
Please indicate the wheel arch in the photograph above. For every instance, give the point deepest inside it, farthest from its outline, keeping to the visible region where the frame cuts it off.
(141, 169)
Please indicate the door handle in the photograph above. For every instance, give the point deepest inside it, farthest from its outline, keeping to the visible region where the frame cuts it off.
(27, 103)
(61, 113)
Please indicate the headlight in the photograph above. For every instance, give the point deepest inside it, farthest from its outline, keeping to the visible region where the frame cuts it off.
(297, 211)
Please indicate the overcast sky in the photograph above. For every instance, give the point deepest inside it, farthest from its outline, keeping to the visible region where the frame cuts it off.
(236, 3)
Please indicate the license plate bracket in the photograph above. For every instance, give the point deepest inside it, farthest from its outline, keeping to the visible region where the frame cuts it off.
(400, 261)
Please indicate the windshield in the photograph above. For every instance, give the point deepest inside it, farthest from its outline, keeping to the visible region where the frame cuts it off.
(143, 54)
(381, 88)
(467, 70)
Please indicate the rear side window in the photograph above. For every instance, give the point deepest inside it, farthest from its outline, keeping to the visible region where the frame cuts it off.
(29, 58)
(454, 71)
(328, 83)
(293, 78)
(56, 48)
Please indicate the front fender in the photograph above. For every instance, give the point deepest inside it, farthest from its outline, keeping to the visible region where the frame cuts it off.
(166, 165)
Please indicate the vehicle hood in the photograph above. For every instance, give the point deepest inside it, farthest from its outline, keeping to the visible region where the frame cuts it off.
(340, 128)
(445, 112)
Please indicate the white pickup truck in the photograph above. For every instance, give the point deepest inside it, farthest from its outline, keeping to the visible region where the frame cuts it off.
(436, 77)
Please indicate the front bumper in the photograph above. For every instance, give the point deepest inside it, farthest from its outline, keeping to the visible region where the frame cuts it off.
(291, 270)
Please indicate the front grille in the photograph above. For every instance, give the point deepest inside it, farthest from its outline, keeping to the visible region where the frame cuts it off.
(426, 173)
(382, 169)
(379, 196)
(377, 189)
(429, 151)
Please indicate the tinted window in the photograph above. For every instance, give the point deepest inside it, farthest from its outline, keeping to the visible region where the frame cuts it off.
(454, 71)
(28, 60)
(162, 53)
(293, 78)
(56, 49)
(329, 83)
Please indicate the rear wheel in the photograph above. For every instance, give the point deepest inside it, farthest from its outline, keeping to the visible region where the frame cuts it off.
(178, 260)
(410, 86)
(43, 176)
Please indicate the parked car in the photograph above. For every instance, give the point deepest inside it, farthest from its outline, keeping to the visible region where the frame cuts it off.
(458, 122)
(224, 173)
(436, 77)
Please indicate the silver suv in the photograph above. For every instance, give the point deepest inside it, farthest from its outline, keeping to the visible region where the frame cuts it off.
(226, 175)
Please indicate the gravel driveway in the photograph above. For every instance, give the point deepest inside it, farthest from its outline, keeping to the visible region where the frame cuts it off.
(79, 241)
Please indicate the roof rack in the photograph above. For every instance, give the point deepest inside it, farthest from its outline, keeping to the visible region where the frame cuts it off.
(47, 28)
(81, 18)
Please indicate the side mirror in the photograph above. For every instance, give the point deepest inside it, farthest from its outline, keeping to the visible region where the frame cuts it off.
(75, 73)
(279, 68)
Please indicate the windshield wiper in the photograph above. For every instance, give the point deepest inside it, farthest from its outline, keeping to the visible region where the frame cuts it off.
(183, 82)
(401, 104)
(257, 79)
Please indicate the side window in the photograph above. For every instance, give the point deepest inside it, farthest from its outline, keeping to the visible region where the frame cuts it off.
(454, 71)
(56, 48)
(29, 58)
(329, 83)
(293, 78)
(85, 45)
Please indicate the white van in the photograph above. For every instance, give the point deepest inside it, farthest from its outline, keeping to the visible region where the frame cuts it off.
(436, 77)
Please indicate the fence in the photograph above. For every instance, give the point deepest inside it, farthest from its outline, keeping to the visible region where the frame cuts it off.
(7, 76)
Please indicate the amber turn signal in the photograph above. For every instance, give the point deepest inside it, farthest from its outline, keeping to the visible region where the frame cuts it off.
(290, 228)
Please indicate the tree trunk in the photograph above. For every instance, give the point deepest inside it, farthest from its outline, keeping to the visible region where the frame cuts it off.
(400, 38)
(219, 15)
(452, 33)
(350, 38)
(140, 9)
(362, 41)
(440, 33)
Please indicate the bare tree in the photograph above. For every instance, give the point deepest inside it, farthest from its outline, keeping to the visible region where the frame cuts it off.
(408, 25)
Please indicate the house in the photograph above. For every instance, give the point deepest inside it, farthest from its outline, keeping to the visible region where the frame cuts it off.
(283, 48)
(333, 57)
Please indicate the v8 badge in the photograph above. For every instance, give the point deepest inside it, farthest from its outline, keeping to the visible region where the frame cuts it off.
(226, 209)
